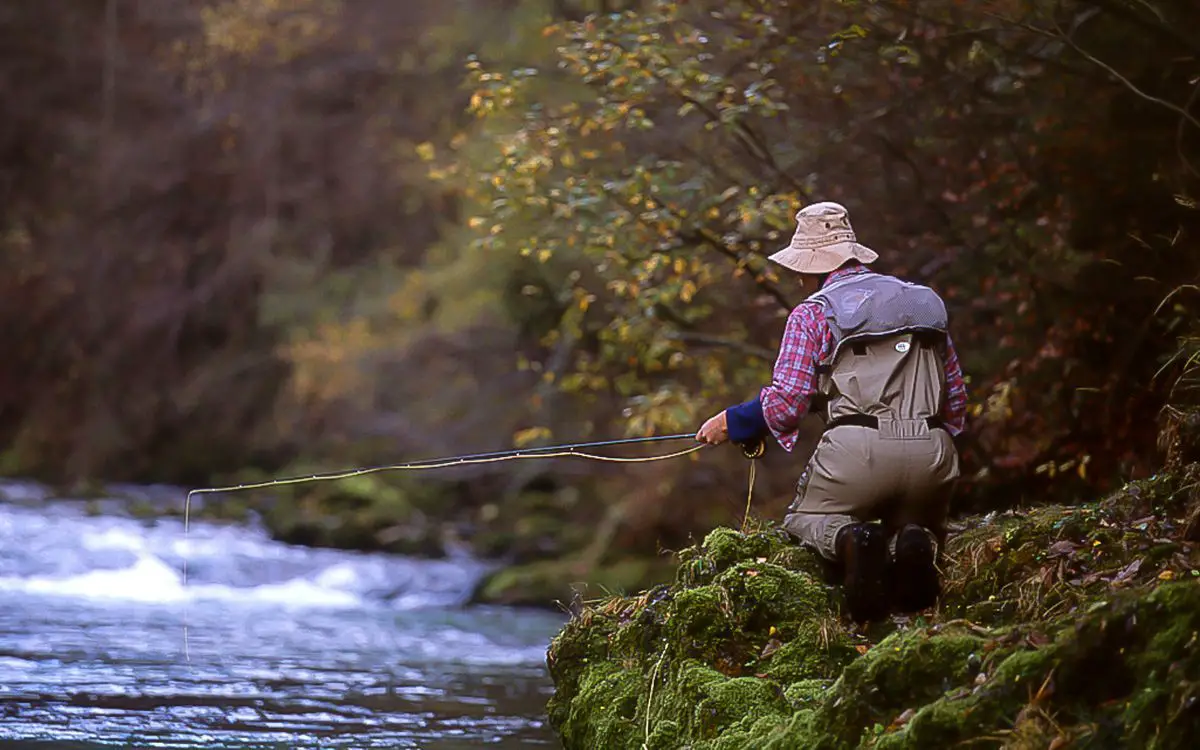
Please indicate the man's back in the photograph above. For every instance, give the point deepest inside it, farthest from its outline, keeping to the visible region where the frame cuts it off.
(889, 349)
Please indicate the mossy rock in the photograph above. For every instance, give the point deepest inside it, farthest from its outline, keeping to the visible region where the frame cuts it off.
(532, 525)
(745, 649)
(708, 656)
(1049, 562)
(361, 513)
(548, 583)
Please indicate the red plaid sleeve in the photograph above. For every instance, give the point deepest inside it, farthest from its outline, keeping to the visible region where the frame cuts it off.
(954, 414)
(794, 381)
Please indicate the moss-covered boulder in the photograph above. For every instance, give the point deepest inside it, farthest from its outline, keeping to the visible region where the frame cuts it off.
(545, 583)
(1061, 627)
(707, 658)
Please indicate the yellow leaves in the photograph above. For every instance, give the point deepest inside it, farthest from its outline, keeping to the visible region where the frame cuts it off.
(527, 436)
(325, 363)
(1052, 468)
(407, 301)
(475, 222)
(688, 291)
(425, 151)
(1167, 575)
(242, 28)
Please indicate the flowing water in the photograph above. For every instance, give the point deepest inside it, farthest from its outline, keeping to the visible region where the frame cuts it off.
(285, 647)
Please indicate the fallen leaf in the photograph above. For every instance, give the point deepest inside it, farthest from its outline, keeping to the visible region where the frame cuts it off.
(903, 718)
(1038, 639)
(1166, 575)
(1047, 576)
(771, 647)
(862, 649)
(1064, 547)
(1128, 572)
(1058, 743)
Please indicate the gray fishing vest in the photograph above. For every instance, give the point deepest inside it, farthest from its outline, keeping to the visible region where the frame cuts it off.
(889, 350)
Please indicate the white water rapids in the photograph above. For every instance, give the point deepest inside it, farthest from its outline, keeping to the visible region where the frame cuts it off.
(289, 646)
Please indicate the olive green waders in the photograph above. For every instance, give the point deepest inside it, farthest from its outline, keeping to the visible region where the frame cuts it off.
(883, 456)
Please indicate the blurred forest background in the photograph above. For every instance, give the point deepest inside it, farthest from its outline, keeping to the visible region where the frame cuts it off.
(243, 238)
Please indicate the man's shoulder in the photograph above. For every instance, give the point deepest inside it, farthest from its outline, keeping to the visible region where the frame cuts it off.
(810, 312)
(898, 282)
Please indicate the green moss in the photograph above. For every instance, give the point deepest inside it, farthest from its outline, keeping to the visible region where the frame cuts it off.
(745, 648)
(545, 582)
(906, 669)
(1050, 561)
(721, 645)
(371, 512)
(806, 693)
(605, 691)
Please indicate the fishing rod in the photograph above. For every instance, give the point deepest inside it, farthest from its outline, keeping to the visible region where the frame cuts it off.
(751, 450)
(448, 461)
(565, 450)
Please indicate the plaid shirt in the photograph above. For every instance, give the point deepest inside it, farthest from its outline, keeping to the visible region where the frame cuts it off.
(807, 340)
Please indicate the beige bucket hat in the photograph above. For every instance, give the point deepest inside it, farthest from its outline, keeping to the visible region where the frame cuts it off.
(824, 240)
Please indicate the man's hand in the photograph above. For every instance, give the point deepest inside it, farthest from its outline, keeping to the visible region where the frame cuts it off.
(714, 431)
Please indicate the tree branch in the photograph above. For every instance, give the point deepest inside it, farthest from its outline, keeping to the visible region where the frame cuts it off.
(1127, 83)
(750, 141)
(711, 340)
(1159, 29)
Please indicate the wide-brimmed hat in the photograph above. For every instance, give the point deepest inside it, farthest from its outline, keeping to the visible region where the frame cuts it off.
(824, 240)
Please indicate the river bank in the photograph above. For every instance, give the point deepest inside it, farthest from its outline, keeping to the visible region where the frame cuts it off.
(1061, 626)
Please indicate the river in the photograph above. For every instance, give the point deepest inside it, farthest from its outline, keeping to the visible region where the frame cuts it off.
(104, 644)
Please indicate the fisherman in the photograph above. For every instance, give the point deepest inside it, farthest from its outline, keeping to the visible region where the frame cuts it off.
(873, 355)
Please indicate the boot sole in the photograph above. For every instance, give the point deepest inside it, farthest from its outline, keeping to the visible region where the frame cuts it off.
(917, 584)
(864, 584)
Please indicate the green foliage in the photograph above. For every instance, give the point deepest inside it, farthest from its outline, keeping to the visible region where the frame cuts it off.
(656, 160)
(318, 233)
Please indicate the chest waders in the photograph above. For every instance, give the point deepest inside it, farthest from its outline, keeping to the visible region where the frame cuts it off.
(882, 388)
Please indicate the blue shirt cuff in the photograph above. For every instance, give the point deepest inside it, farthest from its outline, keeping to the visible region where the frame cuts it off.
(746, 421)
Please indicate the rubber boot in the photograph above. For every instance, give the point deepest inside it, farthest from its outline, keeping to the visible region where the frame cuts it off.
(863, 553)
(916, 584)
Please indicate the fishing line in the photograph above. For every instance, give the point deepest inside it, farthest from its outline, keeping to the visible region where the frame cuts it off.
(554, 451)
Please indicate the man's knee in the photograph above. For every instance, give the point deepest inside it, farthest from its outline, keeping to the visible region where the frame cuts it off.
(818, 530)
